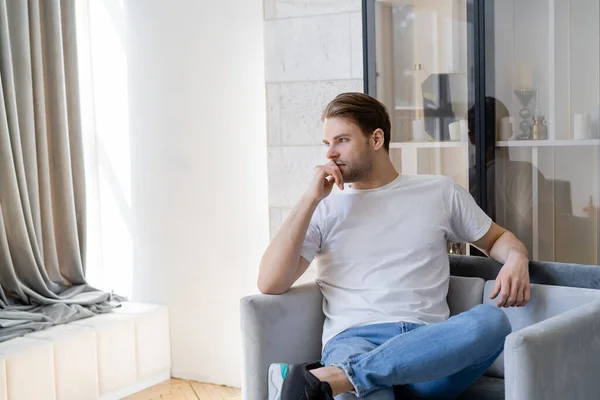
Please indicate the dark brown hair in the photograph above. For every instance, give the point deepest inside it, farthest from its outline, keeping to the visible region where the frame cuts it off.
(365, 111)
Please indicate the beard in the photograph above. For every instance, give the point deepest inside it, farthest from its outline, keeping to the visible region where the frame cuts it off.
(359, 168)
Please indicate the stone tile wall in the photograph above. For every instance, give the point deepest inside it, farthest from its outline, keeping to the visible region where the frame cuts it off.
(313, 51)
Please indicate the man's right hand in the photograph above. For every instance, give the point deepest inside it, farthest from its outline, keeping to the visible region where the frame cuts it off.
(325, 177)
(282, 264)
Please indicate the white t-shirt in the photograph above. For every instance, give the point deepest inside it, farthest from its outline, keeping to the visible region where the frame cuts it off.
(381, 254)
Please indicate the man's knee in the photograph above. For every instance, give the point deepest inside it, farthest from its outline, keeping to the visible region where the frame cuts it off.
(491, 321)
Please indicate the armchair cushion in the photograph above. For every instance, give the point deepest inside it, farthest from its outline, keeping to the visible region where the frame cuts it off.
(484, 388)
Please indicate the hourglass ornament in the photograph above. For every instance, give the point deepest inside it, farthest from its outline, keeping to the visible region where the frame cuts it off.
(525, 96)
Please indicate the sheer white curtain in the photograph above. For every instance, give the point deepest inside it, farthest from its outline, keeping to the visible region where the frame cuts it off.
(102, 44)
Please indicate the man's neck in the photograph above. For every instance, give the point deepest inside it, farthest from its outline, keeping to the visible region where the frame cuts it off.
(380, 176)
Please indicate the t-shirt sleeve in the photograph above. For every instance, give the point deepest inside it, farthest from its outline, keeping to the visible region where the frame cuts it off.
(312, 242)
(468, 222)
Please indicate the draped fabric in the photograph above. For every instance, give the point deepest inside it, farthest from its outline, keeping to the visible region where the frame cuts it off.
(42, 188)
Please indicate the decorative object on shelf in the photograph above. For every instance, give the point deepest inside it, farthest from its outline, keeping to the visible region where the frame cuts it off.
(525, 96)
(457, 248)
(415, 95)
(454, 130)
(581, 126)
(539, 130)
(590, 209)
(418, 131)
(459, 130)
(419, 74)
(445, 96)
(524, 75)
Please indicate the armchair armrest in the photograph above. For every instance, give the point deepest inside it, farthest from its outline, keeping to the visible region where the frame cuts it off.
(558, 358)
(279, 328)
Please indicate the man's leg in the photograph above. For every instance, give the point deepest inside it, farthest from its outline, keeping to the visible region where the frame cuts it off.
(462, 345)
(357, 341)
(451, 386)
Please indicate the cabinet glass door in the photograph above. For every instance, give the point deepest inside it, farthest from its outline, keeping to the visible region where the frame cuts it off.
(542, 116)
(421, 69)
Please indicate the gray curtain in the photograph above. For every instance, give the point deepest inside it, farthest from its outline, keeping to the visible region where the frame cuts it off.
(42, 190)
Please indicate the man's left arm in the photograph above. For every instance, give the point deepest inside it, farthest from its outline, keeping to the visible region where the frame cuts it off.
(512, 282)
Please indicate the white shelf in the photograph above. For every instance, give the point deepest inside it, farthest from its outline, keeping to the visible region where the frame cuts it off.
(546, 143)
(432, 144)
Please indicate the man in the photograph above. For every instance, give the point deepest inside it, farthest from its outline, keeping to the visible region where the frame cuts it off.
(382, 266)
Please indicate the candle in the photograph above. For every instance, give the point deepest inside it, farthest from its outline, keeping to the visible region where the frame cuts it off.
(581, 126)
(524, 76)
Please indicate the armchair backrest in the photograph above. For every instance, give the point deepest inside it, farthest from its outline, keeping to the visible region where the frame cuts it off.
(464, 293)
(543, 272)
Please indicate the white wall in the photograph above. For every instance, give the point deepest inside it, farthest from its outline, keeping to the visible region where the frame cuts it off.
(181, 166)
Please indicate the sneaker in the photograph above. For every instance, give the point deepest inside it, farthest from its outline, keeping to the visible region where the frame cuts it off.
(295, 382)
(277, 373)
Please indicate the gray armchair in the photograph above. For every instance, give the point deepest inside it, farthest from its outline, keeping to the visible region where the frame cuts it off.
(553, 352)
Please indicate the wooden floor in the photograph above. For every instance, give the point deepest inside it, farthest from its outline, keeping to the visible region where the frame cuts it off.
(177, 389)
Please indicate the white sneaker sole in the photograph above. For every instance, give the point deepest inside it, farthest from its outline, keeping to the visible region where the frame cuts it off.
(277, 373)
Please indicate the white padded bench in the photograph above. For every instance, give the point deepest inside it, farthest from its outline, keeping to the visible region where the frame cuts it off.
(108, 356)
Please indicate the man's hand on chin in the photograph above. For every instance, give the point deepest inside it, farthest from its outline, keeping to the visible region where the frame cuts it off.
(512, 282)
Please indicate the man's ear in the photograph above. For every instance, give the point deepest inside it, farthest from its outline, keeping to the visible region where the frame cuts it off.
(377, 139)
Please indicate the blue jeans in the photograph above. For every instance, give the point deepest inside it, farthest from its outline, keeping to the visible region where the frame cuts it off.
(436, 361)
